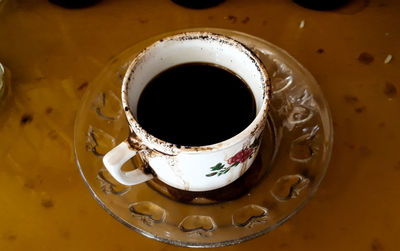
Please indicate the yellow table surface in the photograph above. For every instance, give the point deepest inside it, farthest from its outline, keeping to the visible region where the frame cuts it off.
(53, 54)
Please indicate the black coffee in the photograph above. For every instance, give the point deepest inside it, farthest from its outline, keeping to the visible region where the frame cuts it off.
(195, 104)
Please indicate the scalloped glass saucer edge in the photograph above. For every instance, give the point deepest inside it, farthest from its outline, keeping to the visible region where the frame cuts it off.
(304, 138)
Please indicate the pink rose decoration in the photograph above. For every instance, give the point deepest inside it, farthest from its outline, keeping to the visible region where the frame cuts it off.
(241, 156)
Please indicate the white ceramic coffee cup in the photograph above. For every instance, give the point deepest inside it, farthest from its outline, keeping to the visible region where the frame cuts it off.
(198, 168)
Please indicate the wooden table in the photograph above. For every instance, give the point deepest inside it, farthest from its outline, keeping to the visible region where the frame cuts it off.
(53, 54)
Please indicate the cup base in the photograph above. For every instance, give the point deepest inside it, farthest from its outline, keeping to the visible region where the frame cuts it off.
(234, 190)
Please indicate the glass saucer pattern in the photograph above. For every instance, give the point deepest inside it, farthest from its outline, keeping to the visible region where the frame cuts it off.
(294, 156)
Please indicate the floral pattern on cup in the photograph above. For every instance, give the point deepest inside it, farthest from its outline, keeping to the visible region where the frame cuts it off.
(240, 157)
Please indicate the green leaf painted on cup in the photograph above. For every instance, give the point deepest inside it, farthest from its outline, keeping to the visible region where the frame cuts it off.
(217, 167)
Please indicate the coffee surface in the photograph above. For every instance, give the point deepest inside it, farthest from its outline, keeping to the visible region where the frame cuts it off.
(195, 104)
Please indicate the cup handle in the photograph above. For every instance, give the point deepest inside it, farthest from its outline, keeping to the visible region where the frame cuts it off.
(114, 160)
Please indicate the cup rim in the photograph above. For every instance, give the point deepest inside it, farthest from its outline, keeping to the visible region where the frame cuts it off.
(162, 146)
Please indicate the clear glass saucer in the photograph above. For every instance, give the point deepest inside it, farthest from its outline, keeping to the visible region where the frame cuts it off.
(293, 158)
